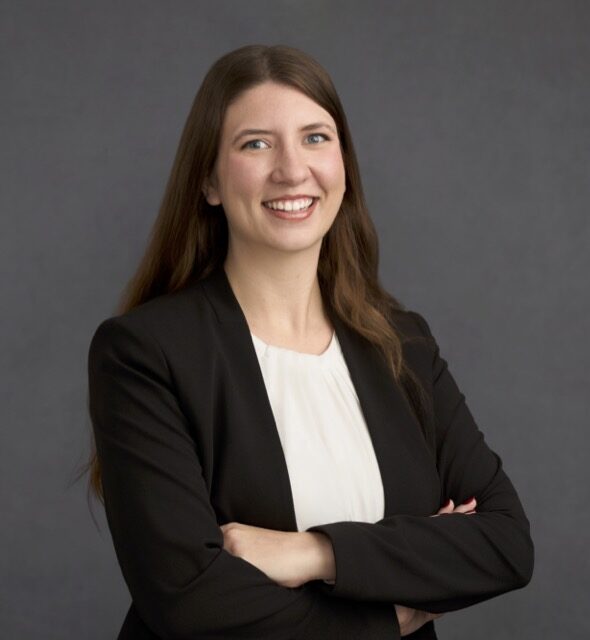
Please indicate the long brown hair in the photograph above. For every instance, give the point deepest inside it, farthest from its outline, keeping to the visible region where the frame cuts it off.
(189, 238)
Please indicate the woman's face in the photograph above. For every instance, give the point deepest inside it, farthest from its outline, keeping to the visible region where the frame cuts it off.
(295, 153)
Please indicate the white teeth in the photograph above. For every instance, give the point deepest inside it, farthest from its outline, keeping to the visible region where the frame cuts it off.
(289, 205)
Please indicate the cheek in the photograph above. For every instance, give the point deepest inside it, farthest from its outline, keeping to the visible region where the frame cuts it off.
(246, 176)
(333, 170)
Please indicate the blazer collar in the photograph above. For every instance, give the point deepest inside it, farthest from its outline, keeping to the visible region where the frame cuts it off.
(399, 445)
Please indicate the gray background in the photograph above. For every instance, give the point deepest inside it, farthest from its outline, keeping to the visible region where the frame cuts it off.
(471, 123)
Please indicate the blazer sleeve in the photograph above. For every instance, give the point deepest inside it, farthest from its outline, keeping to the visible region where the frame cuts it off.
(169, 546)
(454, 560)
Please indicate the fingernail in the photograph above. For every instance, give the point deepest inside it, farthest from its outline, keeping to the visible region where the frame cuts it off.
(469, 500)
(447, 503)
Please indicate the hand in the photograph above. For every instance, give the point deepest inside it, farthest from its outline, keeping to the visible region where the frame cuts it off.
(466, 507)
(412, 619)
(282, 555)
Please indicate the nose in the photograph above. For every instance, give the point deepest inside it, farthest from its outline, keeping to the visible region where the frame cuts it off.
(291, 165)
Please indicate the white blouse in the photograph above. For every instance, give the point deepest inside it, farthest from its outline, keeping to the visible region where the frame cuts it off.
(333, 470)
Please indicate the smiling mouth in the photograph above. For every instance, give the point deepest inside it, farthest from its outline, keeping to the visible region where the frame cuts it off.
(294, 214)
(302, 210)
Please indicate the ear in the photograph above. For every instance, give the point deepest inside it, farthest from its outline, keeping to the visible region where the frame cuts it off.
(210, 192)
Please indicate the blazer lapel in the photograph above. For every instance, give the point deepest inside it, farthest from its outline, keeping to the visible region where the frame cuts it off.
(408, 471)
(409, 476)
(267, 498)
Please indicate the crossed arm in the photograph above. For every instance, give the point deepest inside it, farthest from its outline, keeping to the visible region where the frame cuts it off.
(293, 558)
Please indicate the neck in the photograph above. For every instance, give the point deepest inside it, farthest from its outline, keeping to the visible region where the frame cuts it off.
(281, 296)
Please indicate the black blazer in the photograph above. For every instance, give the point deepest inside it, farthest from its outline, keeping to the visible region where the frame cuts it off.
(187, 441)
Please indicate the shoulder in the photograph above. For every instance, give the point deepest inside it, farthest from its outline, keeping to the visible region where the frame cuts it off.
(169, 318)
(419, 346)
(410, 325)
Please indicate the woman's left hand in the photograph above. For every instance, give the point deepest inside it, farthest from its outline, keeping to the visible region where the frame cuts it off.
(411, 620)
(284, 556)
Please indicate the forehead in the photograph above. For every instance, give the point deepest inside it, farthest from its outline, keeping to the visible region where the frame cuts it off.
(272, 104)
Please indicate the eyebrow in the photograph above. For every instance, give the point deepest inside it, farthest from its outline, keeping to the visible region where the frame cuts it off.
(307, 127)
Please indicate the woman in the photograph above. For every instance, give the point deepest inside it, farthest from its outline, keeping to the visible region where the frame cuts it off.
(275, 434)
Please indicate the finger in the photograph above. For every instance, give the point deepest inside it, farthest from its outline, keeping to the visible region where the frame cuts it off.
(469, 505)
(403, 614)
(447, 508)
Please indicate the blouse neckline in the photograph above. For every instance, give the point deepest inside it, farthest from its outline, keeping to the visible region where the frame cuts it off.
(275, 352)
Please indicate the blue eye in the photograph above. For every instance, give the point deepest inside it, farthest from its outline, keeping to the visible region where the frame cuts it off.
(311, 135)
(323, 135)
(245, 146)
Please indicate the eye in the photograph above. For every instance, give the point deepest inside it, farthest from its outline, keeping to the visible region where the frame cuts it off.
(313, 135)
(245, 145)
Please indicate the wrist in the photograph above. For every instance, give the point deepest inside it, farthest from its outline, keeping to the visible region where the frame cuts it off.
(320, 556)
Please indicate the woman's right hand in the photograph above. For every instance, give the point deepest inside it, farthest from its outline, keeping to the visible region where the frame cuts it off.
(412, 619)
